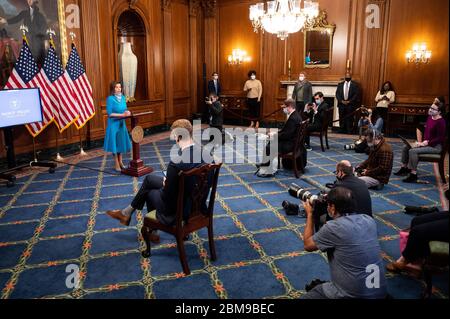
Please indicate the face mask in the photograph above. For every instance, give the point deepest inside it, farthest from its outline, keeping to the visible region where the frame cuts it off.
(318, 102)
(118, 95)
(216, 78)
(433, 112)
(286, 111)
(253, 77)
(348, 79)
(339, 177)
(301, 79)
(371, 145)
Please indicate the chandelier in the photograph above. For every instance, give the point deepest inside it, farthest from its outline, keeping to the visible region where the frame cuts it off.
(283, 16)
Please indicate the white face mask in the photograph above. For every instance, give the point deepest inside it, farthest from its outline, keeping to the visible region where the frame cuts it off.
(216, 78)
(301, 79)
(286, 111)
(253, 77)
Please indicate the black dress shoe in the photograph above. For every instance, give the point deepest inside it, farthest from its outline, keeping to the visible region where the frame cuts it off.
(412, 178)
(403, 172)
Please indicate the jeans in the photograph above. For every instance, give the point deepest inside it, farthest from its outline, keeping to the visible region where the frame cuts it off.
(410, 156)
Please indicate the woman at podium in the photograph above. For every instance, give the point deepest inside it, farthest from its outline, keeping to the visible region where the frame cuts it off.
(117, 140)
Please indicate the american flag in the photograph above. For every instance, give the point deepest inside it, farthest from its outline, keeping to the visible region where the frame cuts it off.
(67, 108)
(25, 74)
(82, 88)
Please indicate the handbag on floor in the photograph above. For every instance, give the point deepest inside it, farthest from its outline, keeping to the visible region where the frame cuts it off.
(404, 235)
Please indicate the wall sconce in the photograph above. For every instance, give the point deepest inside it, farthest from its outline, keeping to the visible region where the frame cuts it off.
(419, 54)
(238, 57)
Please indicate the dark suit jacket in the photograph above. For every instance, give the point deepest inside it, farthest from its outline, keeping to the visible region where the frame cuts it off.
(212, 88)
(169, 194)
(216, 111)
(363, 202)
(354, 94)
(37, 31)
(316, 119)
(288, 134)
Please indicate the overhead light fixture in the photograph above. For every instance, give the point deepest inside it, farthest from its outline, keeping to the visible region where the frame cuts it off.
(283, 17)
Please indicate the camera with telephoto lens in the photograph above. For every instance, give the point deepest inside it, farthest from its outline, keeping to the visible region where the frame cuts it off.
(352, 147)
(306, 196)
(364, 112)
(318, 202)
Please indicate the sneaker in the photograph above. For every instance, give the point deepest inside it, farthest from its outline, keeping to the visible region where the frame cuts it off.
(308, 148)
(403, 172)
(412, 178)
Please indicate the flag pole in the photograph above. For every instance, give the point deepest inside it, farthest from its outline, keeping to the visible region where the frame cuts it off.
(82, 152)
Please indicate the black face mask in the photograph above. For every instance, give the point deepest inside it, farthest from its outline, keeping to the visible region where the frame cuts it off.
(348, 79)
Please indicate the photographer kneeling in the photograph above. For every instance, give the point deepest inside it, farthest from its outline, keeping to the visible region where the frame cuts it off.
(351, 242)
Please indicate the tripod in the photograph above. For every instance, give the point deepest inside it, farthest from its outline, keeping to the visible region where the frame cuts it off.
(12, 164)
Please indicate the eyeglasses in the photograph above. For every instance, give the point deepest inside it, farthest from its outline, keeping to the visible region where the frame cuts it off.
(432, 108)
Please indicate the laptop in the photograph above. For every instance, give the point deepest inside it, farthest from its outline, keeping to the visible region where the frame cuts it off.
(407, 143)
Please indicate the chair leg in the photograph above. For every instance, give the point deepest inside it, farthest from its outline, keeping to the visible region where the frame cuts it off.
(442, 172)
(295, 167)
(428, 282)
(182, 253)
(321, 142)
(279, 162)
(212, 247)
(145, 231)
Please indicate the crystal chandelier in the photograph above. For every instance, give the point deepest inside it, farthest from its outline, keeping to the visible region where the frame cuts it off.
(283, 16)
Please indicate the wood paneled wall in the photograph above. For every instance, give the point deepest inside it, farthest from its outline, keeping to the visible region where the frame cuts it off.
(186, 40)
(377, 54)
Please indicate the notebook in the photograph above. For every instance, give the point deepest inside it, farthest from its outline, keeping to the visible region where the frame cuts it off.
(407, 143)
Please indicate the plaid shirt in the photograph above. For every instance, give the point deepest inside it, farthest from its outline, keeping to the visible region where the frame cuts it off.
(380, 162)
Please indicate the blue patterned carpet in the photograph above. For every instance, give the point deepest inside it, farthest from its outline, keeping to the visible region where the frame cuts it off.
(48, 222)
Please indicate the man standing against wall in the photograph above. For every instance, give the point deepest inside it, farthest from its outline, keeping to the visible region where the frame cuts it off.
(302, 94)
(349, 99)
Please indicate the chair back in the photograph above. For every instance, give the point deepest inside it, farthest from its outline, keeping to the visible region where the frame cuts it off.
(204, 182)
(301, 135)
(327, 119)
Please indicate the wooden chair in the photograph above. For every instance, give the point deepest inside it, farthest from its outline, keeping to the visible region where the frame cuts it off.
(197, 218)
(324, 130)
(299, 146)
(437, 158)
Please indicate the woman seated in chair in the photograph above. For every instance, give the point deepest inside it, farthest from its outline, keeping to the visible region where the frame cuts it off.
(423, 230)
(160, 193)
(434, 140)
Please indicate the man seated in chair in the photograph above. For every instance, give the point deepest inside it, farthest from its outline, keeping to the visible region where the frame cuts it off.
(316, 112)
(376, 170)
(161, 193)
(286, 139)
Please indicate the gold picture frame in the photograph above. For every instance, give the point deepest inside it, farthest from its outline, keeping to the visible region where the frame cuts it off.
(321, 28)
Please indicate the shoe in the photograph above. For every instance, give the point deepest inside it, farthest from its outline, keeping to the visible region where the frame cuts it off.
(265, 175)
(403, 172)
(308, 148)
(396, 267)
(412, 178)
(117, 214)
(379, 187)
(122, 166)
(420, 210)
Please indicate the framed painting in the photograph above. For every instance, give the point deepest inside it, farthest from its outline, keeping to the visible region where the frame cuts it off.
(38, 16)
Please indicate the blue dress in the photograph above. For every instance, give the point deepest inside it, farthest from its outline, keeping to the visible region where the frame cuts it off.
(117, 139)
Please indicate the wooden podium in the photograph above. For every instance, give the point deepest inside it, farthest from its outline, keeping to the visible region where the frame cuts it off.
(136, 167)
